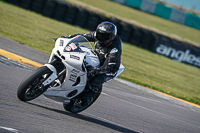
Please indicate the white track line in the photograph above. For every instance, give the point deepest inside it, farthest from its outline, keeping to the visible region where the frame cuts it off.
(153, 111)
(9, 129)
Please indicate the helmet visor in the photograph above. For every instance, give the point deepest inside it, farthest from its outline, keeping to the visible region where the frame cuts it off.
(102, 36)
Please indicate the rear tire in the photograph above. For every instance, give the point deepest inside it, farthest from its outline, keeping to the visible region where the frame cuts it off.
(75, 104)
(32, 86)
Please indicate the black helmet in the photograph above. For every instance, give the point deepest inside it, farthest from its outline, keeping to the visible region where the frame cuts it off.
(106, 32)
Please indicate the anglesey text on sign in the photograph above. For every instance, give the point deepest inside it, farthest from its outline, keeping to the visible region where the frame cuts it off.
(178, 55)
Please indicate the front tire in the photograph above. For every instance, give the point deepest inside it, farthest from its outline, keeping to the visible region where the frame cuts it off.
(32, 86)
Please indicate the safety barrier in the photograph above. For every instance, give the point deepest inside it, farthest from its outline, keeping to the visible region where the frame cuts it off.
(164, 11)
(152, 41)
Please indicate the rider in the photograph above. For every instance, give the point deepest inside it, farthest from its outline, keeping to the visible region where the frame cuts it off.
(108, 48)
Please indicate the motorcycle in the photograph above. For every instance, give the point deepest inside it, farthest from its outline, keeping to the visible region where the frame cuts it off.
(64, 77)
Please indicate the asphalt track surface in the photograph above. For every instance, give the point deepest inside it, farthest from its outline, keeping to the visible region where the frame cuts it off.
(122, 106)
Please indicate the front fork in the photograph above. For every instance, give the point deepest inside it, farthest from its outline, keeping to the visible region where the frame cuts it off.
(52, 77)
(55, 75)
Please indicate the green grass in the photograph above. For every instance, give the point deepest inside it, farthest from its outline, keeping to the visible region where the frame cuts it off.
(160, 73)
(142, 67)
(32, 29)
(150, 21)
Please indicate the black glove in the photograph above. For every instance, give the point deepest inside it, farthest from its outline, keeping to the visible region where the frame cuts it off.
(91, 72)
(69, 36)
(89, 67)
(62, 36)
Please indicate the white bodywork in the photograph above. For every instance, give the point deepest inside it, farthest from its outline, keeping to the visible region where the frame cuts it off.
(75, 72)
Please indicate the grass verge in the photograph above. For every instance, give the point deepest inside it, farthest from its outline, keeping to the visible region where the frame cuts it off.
(142, 19)
(142, 67)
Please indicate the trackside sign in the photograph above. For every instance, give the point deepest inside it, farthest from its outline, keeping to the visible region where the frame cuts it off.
(177, 53)
(176, 50)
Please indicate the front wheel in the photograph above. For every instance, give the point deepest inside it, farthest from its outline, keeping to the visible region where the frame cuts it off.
(32, 87)
(81, 102)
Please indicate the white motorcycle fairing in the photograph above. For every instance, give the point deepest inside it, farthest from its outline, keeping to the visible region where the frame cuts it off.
(76, 74)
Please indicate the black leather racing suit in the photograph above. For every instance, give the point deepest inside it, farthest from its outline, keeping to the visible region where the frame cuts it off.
(109, 56)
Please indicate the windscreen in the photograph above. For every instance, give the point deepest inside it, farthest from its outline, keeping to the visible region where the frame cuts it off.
(77, 44)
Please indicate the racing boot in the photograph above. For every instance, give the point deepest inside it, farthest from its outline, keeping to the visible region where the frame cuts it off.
(96, 90)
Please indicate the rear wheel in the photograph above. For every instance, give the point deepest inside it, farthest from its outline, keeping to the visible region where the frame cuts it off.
(32, 86)
(81, 102)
